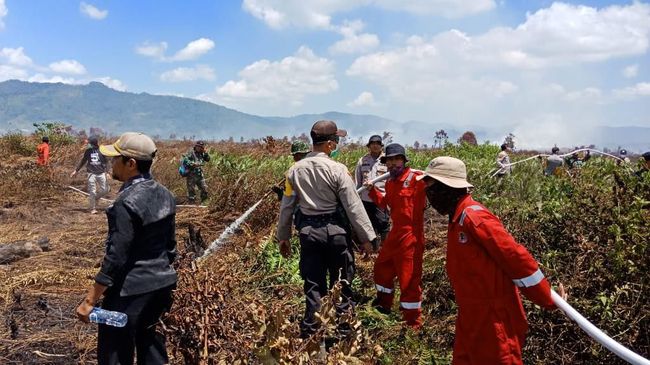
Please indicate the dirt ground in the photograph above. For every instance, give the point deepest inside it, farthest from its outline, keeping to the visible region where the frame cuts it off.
(39, 294)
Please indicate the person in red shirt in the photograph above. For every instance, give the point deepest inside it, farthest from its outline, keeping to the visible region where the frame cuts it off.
(401, 253)
(43, 151)
(487, 269)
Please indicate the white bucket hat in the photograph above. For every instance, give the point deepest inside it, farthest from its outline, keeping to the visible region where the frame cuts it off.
(449, 171)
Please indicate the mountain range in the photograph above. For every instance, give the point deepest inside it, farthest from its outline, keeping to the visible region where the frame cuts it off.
(96, 105)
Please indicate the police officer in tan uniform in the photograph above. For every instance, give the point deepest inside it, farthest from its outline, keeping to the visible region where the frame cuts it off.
(329, 205)
(368, 168)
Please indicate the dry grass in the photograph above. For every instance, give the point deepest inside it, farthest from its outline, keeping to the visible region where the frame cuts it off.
(244, 302)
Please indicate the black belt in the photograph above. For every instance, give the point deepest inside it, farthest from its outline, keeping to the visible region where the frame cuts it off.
(330, 217)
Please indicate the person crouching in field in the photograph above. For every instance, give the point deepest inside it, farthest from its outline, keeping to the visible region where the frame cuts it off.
(487, 269)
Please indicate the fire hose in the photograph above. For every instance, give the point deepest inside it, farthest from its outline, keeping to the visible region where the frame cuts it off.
(564, 155)
(598, 335)
(374, 181)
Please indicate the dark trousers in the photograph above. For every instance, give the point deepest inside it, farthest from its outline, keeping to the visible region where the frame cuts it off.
(324, 249)
(118, 345)
(380, 221)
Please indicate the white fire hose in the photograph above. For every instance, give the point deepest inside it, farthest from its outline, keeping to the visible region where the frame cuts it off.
(598, 335)
(564, 155)
(374, 181)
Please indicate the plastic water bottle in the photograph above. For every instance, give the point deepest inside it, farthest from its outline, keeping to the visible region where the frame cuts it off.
(111, 318)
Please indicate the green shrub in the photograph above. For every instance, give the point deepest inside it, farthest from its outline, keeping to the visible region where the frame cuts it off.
(16, 143)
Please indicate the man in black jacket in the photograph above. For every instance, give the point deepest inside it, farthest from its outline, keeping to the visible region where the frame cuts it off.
(136, 277)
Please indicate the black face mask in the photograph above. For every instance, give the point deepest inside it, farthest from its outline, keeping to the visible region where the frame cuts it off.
(443, 198)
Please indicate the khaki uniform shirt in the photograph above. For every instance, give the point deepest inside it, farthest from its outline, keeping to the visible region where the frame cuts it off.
(367, 169)
(317, 184)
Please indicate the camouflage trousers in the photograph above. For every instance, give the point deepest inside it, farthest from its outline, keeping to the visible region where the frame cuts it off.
(194, 181)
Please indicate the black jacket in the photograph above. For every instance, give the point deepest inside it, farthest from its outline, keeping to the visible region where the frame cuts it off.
(141, 243)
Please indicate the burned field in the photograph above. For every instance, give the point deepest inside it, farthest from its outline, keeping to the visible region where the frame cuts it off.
(243, 303)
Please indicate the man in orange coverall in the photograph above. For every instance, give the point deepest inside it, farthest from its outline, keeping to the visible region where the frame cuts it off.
(401, 253)
(43, 151)
(487, 269)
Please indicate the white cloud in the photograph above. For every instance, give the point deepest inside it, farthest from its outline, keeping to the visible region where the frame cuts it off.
(561, 35)
(92, 12)
(630, 71)
(194, 50)
(287, 81)
(364, 99)
(272, 17)
(191, 51)
(15, 56)
(3, 13)
(111, 82)
(353, 42)
(279, 14)
(564, 34)
(200, 72)
(52, 79)
(70, 67)
(9, 72)
(445, 8)
(155, 50)
(589, 93)
(630, 92)
(15, 64)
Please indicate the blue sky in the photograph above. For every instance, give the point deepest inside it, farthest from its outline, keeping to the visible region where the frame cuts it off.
(541, 69)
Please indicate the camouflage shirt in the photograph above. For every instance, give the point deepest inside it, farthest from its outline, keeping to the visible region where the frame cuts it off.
(194, 162)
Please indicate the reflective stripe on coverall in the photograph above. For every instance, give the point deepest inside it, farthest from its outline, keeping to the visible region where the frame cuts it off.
(401, 253)
(485, 266)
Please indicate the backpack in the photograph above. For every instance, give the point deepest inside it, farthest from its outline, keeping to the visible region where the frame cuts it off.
(183, 170)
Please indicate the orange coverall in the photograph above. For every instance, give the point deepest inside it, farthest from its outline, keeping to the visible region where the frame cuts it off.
(43, 151)
(401, 253)
(486, 266)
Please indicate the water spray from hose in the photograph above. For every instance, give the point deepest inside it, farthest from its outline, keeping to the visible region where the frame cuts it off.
(232, 228)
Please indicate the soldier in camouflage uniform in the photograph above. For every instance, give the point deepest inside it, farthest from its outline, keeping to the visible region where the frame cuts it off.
(194, 161)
